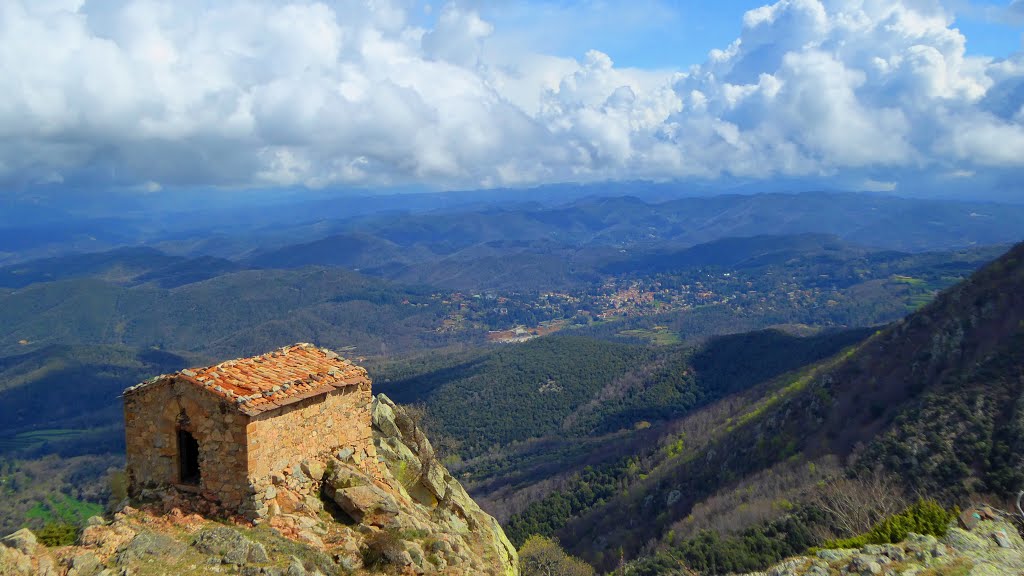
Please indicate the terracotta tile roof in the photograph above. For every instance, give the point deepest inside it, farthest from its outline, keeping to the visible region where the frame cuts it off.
(274, 379)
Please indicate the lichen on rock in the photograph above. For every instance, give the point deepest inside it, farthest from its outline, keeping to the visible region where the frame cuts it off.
(989, 548)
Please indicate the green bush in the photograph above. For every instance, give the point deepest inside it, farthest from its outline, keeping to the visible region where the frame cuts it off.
(923, 517)
(542, 556)
(58, 534)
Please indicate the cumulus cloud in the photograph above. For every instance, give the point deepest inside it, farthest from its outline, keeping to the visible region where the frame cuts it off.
(151, 95)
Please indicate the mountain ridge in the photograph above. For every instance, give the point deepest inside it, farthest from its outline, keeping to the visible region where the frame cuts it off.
(828, 408)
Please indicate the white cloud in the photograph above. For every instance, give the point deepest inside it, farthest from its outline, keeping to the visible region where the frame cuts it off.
(870, 185)
(260, 93)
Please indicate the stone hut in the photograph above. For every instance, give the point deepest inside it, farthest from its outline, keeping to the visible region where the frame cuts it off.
(252, 434)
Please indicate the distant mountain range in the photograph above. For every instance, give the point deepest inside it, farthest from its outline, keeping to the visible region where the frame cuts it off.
(772, 348)
(577, 217)
(434, 247)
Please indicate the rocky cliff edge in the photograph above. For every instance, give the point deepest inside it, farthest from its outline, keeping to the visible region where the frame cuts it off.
(990, 545)
(415, 519)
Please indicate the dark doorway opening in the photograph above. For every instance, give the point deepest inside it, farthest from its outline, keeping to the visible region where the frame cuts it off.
(188, 458)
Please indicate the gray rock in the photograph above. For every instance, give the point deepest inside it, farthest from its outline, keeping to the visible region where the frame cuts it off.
(344, 454)
(964, 541)
(345, 476)
(440, 547)
(309, 537)
(1002, 539)
(871, 569)
(313, 469)
(788, 568)
(47, 567)
(312, 503)
(893, 552)
(86, 564)
(349, 564)
(147, 544)
(818, 568)
(14, 563)
(917, 542)
(442, 503)
(398, 557)
(95, 521)
(384, 416)
(23, 540)
(416, 553)
(295, 568)
(230, 545)
(366, 503)
(866, 565)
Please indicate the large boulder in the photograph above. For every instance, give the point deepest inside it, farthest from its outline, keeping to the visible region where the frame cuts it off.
(148, 545)
(14, 562)
(21, 554)
(438, 500)
(85, 564)
(23, 540)
(367, 505)
(230, 545)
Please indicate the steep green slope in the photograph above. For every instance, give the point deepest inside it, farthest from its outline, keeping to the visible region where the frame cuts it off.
(948, 372)
(529, 418)
(516, 392)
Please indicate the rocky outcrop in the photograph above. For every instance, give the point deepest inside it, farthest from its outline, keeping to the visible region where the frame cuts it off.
(989, 548)
(411, 518)
(420, 498)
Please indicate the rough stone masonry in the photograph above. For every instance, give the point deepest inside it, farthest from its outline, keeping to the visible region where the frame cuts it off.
(252, 434)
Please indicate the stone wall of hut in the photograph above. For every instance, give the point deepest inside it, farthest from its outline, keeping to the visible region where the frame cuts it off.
(156, 411)
(289, 447)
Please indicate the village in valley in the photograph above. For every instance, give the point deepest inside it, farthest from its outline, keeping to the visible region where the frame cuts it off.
(519, 316)
(822, 296)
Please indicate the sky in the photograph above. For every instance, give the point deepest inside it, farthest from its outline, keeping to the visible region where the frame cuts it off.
(922, 96)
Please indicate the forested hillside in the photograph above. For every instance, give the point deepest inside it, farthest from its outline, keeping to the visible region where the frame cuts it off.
(543, 420)
(950, 371)
(230, 315)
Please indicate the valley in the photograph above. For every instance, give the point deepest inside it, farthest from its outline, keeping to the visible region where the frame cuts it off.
(591, 368)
